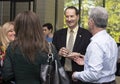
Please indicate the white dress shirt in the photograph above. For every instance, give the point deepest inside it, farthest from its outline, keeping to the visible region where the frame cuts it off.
(100, 59)
(75, 30)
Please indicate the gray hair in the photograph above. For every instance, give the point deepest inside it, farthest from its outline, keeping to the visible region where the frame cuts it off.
(99, 16)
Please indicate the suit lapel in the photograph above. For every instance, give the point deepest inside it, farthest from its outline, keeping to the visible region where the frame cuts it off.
(64, 36)
(78, 39)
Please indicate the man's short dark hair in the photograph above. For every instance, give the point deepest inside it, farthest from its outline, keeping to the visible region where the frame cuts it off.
(48, 25)
(72, 7)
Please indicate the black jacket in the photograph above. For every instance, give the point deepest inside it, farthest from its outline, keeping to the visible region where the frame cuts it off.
(80, 45)
(19, 67)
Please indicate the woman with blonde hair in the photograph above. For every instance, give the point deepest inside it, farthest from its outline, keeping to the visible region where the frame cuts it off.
(7, 34)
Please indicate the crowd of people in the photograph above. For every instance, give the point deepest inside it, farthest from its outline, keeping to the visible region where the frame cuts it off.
(88, 56)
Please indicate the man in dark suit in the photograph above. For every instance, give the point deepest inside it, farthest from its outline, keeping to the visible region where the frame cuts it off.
(81, 39)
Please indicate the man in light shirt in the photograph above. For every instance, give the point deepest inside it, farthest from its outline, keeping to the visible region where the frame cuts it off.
(101, 54)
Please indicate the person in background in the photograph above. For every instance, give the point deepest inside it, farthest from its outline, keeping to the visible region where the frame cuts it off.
(80, 40)
(101, 56)
(7, 35)
(47, 30)
(27, 52)
(1, 52)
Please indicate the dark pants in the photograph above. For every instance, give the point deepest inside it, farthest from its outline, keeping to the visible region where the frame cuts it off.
(70, 78)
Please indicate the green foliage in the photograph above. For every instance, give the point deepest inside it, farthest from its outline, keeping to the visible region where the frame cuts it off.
(113, 8)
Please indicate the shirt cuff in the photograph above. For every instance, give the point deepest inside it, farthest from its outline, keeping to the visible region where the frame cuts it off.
(75, 75)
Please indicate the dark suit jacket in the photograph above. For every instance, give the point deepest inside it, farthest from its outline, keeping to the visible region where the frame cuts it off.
(80, 45)
(18, 66)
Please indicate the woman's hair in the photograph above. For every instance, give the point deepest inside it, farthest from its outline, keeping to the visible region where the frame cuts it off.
(3, 33)
(29, 35)
(100, 16)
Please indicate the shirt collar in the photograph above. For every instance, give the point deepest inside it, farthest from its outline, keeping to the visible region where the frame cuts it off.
(74, 29)
(98, 34)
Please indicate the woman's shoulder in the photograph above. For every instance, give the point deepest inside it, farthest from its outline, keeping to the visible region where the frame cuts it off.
(41, 57)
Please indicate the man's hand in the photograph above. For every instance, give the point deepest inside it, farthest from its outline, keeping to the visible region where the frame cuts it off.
(77, 57)
(64, 52)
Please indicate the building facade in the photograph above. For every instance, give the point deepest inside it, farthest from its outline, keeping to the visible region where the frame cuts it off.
(48, 10)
